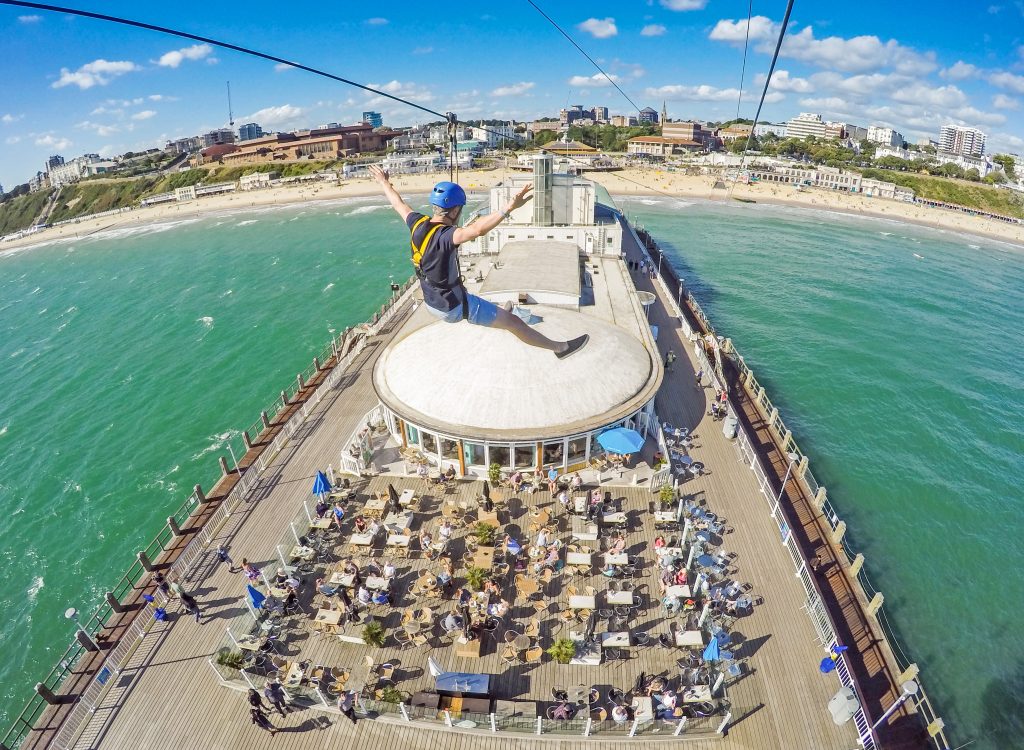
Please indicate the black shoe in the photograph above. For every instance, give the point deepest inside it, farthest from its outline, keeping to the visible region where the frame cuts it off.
(574, 345)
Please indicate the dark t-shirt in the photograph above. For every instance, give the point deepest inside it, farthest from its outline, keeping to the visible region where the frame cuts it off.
(439, 266)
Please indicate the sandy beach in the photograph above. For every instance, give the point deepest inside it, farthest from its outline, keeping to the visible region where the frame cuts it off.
(630, 182)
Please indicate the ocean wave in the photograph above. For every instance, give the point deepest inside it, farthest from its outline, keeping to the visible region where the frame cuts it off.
(136, 230)
(225, 294)
(37, 290)
(17, 353)
(886, 234)
(206, 320)
(35, 588)
(974, 247)
(328, 287)
(246, 223)
(3, 430)
(365, 210)
(216, 444)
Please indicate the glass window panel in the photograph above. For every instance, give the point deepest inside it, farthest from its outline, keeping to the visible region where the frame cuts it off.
(577, 449)
(554, 453)
(412, 434)
(474, 453)
(429, 442)
(501, 454)
(526, 456)
(450, 449)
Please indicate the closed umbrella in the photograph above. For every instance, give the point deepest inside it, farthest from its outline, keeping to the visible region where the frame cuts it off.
(621, 440)
(435, 669)
(712, 652)
(321, 485)
(392, 497)
(256, 597)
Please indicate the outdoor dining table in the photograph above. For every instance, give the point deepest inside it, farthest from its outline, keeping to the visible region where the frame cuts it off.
(684, 459)
(361, 540)
(689, 638)
(706, 561)
(664, 516)
(614, 518)
(619, 597)
(346, 580)
(294, 674)
(616, 558)
(375, 506)
(484, 557)
(696, 694)
(579, 503)
(329, 616)
(406, 497)
(521, 642)
(587, 655)
(527, 586)
(680, 590)
(397, 540)
(250, 642)
(704, 536)
(580, 601)
(643, 708)
(301, 552)
(583, 530)
(578, 558)
(320, 523)
(619, 639)
(375, 583)
(488, 517)
(396, 522)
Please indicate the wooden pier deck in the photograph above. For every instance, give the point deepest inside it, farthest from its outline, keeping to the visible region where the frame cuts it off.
(170, 696)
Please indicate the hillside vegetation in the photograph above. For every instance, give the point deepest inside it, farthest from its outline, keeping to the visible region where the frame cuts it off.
(20, 212)
(93, 197)
(970, 194)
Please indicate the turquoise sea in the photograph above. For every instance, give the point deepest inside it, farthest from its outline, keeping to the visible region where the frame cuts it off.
(129, 360)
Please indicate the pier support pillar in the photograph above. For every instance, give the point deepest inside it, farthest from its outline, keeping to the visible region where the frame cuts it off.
(200, 496)
(114, 604)
(910, 673)
(772, 416)
(875, 604)
(750, 378)
(265, 420)
(284, 398)
(247, 440)
(223, 466)
(839, 532)
(801, 468)
(334, 348)
(173, 526)
(759, 395)
(47, 695)
(144, 561)
(300, 381)
(820, 496)
(786, 437)
(855, 566)
(87, 643)
(316, 364)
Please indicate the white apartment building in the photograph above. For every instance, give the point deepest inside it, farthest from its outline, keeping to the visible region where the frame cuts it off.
(492, 135)
(765, 128)
(76, 169)
(957, 140)
(965, 162)
(885, 136)
(805, 124)
(899, 153)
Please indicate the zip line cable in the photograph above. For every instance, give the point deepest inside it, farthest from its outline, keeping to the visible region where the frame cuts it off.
(743, 70)
(216, 43)
(584, 53)
(771, 69)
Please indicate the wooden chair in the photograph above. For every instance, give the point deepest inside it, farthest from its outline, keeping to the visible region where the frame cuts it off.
(533, 628)
(509, 655)
(534, 655)
(426, 616)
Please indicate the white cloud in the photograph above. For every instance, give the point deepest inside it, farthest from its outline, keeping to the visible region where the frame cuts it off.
(422, 50)
(1002, 101)
(411, 91)
(280, 67)
(161, 98)
(960, 70)
(1009, 81)
(702, 93)
(57, 144)
(514, 89)
(761, 28)
(8, 118)
(98, 128)
(377, 21)
(827, 104)
(12, 139)
(176, 57)
(284, 115)
(857, 54)
(144, 114)
(653, 29)
(97, 73)
(599, 28)
(101, 110)
(598, 80)
(781, 81)
(684, 4)
(30, 19)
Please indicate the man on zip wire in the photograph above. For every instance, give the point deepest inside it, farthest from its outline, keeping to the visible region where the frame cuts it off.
(435, 246)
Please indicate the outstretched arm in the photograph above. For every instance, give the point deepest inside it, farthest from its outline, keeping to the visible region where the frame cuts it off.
(489, 222)
(400, 206)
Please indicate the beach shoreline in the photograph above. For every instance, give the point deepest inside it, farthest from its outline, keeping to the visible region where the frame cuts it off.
(621, 184)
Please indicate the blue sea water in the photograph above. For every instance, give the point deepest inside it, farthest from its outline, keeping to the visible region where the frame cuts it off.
(128, 360)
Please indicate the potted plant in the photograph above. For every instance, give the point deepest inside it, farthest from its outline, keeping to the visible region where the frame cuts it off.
(390, 694)
(484, 534)
(373, 634)
(562, 650)
(231, 659)
(494, 474)
(667, 495)
(475, 577)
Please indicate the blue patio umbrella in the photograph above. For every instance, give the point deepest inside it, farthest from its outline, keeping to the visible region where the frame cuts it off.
(321, 485)
(255, 597)
(712, 652)
(621, 440)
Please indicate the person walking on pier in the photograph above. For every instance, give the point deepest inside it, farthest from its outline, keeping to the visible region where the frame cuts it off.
(260, 719)
(435, 255)
(255, 701)
(274, 693)
(669, 359)
(190, 605)
(222, 553)
(346, 704)
(700, 378)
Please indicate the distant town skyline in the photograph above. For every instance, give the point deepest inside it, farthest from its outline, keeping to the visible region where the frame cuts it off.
(108, 89)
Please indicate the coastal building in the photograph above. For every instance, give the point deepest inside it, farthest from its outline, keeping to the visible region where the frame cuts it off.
(538, 126)
(249, 131)
(408, 162)
(37, 182)
(736, 132)
(492, 135)
(256, 180)
(966, 162)
(373, 119)
(623, 121)
(885, 136)
(689, 130)
(78, 168)
(325, 144)
(647, 116)
(855, 133)
(805, 124)
(184, 145)
(899, 153)
(218, 137)
(599, 114)
(830, 178)
(570, 115)
(954, 139)
(660, 146)
(766, 128)
(53, 161)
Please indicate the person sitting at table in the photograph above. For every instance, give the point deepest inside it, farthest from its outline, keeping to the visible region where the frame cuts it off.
(563, 498)
(620, 714)
(322, 507)
(363, 594)
(512, 546)
(361, 524)
(577, 481)
(563, 711)
(451, 623)
(619, 545)
(668, 699)
(491, 587)
(516, 481)
(610, 571)
(551, 558)
(666, 578)
(449, 476)
(381, 597)
(463, 596)
(552, 480)
(349, 567)
(281, 578)
(538, 482)
(446, 574)
(422, 472)
(339, 513)
(498, 609)
(426, 539)
(544, 537)
(389, 570)
(324, 588)
(680, 577)
(374, 528)
(445, 530)
(291, 600)
(671, 604)
(659, 542)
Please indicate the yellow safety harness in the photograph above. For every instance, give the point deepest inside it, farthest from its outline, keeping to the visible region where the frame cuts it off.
(419, 252)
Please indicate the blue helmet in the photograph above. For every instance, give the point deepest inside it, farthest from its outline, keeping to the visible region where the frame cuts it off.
(447, 195)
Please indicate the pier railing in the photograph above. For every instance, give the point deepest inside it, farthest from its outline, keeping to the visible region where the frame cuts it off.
(696, 323)
(344, 347)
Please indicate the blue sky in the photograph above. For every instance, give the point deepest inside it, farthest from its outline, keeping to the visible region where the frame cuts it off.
(73, 85)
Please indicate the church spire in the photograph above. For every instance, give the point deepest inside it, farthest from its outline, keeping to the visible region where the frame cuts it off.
(664, 112)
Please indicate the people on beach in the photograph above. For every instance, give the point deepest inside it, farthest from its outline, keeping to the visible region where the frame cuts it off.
(435, 244)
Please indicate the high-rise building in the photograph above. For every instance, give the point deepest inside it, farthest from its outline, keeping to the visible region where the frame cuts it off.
(805, 124)
(648, 116)
(965, 141)
(599, 114)
(885, 136)
(249, 131)
(54, 161)
(623, 121)
(218, 137)
(373, 119)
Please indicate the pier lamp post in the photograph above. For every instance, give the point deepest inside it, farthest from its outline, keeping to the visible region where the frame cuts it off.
(235, 460)
(909, 688)
(72, 614)
(793, 458)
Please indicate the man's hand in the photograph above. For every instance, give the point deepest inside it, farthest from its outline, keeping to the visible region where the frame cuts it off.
(400, 206)
(521, 198)
(378, 174)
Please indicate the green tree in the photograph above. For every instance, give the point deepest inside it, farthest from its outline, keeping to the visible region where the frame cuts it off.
(1007, 163)
(973, 175)
(995, 178)
(545, 136)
